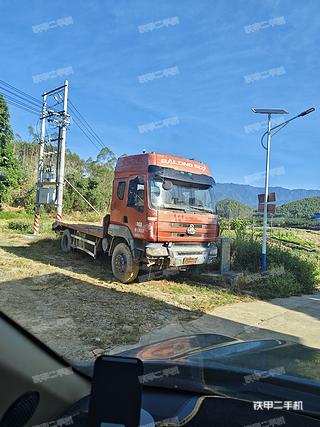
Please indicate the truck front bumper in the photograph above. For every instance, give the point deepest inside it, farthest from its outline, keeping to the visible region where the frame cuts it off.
(183, 254)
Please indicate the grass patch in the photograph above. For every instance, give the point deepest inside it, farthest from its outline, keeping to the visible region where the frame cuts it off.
(20, 225)
(277, 286)
(14, 214)
(187, 294)
(300, 275)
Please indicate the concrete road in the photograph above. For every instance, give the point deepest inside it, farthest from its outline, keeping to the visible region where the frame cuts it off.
(295, 319)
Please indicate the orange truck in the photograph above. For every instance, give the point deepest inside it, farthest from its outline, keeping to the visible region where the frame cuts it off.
(162, 218)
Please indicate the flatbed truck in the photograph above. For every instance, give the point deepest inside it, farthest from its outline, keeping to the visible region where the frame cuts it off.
(162, 216)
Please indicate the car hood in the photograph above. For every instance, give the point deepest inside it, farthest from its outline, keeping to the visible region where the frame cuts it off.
(211, 364)
(281, 357)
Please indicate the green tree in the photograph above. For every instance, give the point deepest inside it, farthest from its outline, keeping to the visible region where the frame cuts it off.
(10, 169)
(304, 208)
(100, 174)
(92, 178)
(229, 208)
(240, 227)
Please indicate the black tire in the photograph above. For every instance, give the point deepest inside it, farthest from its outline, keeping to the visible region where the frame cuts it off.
(124, 268)
(65, 241)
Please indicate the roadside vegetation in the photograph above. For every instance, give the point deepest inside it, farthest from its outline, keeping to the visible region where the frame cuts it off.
(302, 209)
(231, 209)
(293, 259)
(19, 165)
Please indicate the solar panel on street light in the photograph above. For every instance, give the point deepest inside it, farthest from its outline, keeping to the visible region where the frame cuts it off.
(269, 111)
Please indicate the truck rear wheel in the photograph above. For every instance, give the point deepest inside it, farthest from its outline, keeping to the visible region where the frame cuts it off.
(65, 242)
(124, 268)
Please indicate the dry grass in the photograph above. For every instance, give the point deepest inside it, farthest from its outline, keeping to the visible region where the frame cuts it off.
(72, 302)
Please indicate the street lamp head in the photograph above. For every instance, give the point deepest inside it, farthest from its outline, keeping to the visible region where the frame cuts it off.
(304, 113)
(269, 111)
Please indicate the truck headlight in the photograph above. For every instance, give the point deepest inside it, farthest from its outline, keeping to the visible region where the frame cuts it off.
(213, 251)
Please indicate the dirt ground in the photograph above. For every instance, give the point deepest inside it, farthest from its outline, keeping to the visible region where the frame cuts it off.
(72, 303)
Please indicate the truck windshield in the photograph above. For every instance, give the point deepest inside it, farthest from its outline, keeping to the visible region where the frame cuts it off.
(182, 195)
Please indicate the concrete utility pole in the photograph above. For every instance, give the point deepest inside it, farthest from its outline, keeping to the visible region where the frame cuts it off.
(36, 222)
(50, 184)
(62, 153)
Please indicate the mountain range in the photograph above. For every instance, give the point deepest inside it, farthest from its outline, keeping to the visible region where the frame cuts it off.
(249, 195)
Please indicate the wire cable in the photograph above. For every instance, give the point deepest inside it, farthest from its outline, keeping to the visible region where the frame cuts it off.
(78, 192)
(18, 105)
(21, 92)
(30, 104)
(22, 98)
(83, 131)
(88, 132)
(88, 125)
(19, 102)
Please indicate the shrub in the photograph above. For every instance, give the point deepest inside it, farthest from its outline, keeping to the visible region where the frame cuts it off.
(20, 226)
(240, 227)
(277, 286)
(223, 223)
(302, 272)
(304, 268)
(246, 255)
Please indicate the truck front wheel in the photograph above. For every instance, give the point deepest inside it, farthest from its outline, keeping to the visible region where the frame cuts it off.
(124, 268)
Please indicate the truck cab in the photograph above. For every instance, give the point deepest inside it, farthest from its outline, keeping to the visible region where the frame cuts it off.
(163, 210)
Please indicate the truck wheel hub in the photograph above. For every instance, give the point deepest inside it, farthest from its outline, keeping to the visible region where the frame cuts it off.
(121, 262)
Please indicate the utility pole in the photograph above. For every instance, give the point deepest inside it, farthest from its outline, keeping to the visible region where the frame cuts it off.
(36, 221)
(50, 183)
(62, 153)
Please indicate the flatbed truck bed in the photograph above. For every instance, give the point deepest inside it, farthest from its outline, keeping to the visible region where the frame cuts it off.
(82, 236)
(90, 229)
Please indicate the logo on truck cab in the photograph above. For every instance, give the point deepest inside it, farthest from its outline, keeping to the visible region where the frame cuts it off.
(184, 163)
(191, 230)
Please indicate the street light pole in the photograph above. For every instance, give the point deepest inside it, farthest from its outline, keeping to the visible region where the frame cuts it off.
(266, 193)
(267, 148)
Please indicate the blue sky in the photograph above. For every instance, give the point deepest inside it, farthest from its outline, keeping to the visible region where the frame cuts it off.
(211, 51)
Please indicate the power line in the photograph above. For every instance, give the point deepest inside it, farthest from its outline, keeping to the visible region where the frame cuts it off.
(19, 99)
(29, 103)
(88, 125)
(77, 119)
(19, 102)
(21, 92)
(19, 105)
(22, 98)
(83, 131)
(78, 192)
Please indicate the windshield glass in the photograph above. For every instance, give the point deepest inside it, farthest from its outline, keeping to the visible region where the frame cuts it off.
(181, 195)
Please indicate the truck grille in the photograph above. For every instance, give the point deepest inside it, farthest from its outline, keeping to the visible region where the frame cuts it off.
(186, 225)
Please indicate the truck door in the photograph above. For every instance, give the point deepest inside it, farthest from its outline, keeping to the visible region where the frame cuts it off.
(136, 207)
(119, 201)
